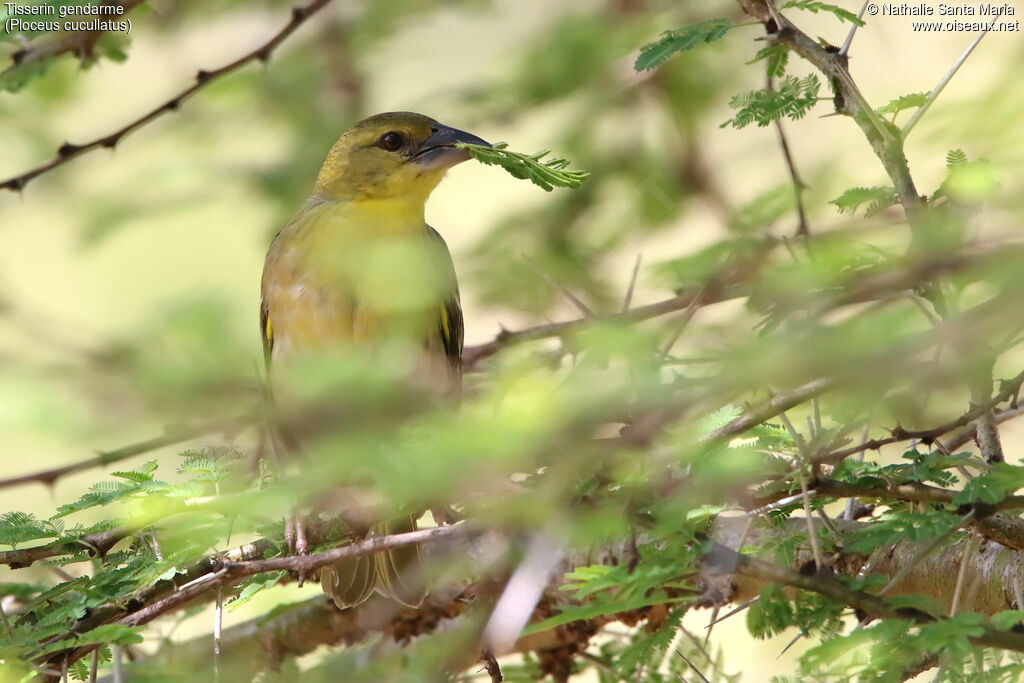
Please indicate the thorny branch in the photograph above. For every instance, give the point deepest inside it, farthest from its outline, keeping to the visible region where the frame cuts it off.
(1009, 392)
(886, 142)
(69, 151)
(219, 573)
(50, 476)
(265, 642)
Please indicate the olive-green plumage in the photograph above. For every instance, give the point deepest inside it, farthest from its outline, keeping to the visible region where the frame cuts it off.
(358, 263)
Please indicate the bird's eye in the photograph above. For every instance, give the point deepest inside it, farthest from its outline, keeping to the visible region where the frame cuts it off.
(391, 141)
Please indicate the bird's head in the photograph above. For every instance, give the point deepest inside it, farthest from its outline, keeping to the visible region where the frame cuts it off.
(391, 155)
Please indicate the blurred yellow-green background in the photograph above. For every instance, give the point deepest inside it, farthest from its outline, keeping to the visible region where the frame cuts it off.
(126, 270)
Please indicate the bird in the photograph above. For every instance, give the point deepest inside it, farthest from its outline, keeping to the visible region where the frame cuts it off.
(325, 288)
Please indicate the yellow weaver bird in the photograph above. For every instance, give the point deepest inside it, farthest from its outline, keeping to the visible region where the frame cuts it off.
(359, 263)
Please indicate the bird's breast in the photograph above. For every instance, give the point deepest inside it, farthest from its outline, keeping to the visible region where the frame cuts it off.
(340, 274)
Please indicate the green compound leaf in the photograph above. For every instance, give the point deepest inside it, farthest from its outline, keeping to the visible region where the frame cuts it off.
(902, 103)
(955, 157)
(777, 56)
(814, 7)
(547, 174)
(681, 39)
(792, 98)
(877, 199)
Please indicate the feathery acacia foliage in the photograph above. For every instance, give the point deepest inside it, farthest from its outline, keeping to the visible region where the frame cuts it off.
(808, 429)
(546, 174)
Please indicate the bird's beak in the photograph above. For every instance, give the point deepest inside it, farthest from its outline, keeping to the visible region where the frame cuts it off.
(439, 150)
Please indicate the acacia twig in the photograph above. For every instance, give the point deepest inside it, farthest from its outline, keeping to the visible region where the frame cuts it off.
(97, 544)
(1010, 389)
(565, 291)
(628, 299)
(472, 355)
(69, 151)
(886, 143)
(803, 228)
(771, 408)
(223, 572)
(732, 283)
(50, 476)
(963, 436)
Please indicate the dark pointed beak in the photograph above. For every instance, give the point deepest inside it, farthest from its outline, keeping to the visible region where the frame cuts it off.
(439, 150)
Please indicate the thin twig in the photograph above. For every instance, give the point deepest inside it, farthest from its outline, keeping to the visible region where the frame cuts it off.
(683, 323)
(986, 435)
(565, 291)
(819, 558)
(908, 492)
(803, 228)
(50, 476)
(1010, 389)
(628, 300)
(691, 665)
(69, 151)
(771, 408)
(97, 544)
(732, 283)
(961, 572)
(963, 436)
(784, 502)
(848, 512)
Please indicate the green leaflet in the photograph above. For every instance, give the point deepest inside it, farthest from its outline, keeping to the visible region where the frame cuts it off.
(792, 98)
(877, 199)
(547, 174)
(681, 39)
(814, 7)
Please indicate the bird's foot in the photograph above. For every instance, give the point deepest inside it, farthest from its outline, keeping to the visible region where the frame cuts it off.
(445, 515)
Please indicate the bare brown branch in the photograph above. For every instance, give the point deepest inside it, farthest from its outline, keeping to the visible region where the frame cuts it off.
(50, 476)
(69, 151)
(1010, 389)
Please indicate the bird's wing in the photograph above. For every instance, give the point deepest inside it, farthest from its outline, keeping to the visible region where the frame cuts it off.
(450, 324)
(266, 333)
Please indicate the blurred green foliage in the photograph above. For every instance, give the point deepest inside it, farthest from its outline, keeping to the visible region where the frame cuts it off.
(591, 437)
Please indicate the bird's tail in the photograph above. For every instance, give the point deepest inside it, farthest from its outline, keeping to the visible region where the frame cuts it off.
(395, 574)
